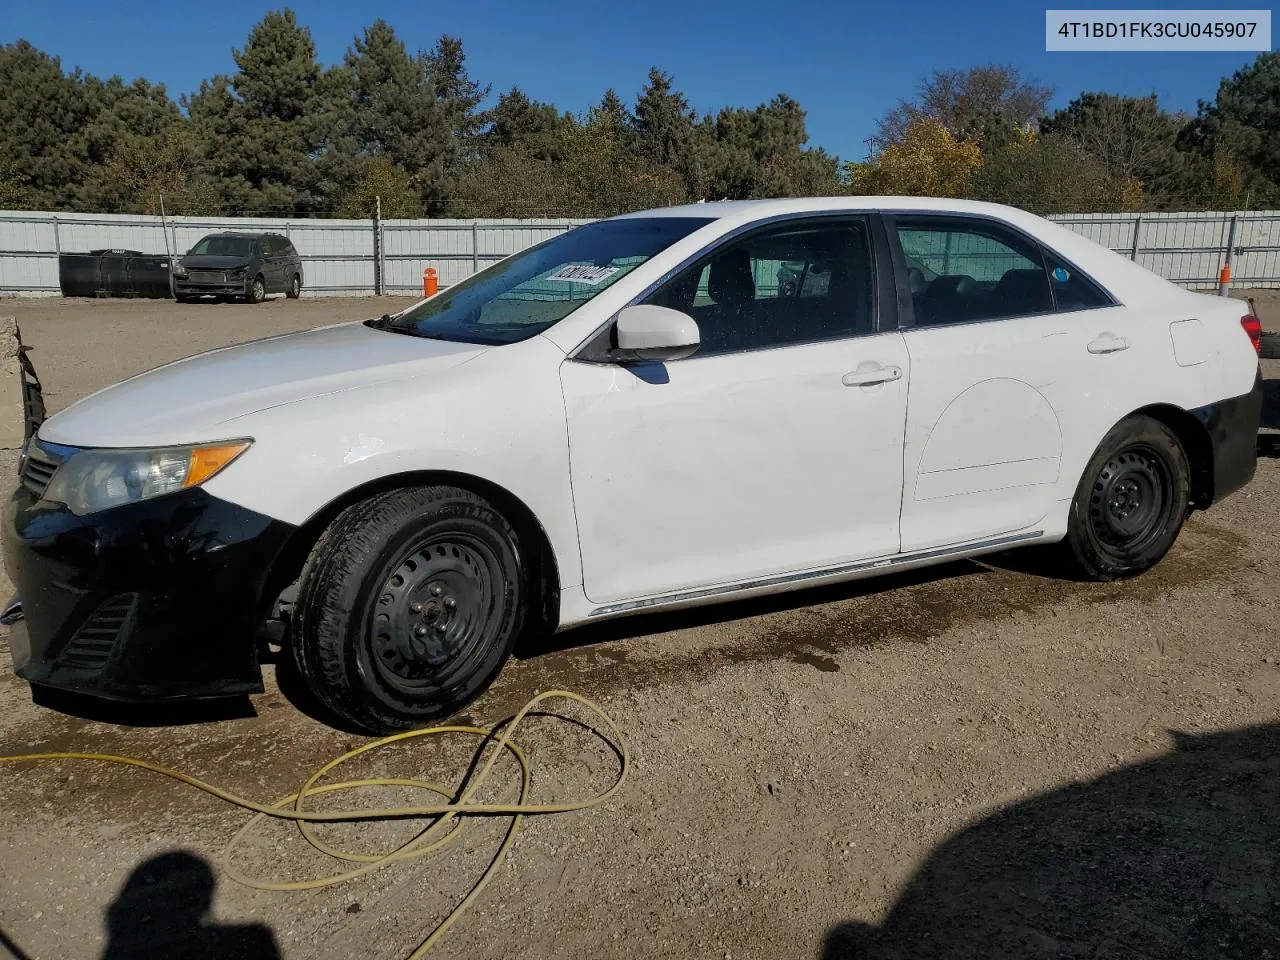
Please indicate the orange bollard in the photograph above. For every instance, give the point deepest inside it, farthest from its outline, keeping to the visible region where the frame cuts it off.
(1224, 280)
(430, 282)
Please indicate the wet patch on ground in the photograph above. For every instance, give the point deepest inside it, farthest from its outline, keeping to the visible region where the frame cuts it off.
(814, 627)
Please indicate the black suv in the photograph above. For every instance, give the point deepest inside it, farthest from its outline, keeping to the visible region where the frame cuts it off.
(248, 265)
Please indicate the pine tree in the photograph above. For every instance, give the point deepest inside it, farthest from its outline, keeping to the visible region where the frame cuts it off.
(43, 117)
(261, 127)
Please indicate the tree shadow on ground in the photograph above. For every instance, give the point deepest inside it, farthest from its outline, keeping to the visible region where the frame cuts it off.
(1177, 857)
(163, 912)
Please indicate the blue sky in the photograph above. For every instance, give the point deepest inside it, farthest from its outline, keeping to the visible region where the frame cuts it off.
(845, 62)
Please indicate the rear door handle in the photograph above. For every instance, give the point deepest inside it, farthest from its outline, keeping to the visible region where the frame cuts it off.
(1108, 343)
(868, 375)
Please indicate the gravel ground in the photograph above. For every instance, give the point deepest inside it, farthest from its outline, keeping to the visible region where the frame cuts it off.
(973, 761)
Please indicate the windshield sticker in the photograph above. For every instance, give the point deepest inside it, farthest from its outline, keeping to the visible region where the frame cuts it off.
(1061, 275)
(583, 273)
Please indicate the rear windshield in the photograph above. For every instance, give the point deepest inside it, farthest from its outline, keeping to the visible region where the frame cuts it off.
(225, 247)
(528, 292)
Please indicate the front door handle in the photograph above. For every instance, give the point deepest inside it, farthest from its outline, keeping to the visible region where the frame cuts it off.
(1108, 343)
(868, 375)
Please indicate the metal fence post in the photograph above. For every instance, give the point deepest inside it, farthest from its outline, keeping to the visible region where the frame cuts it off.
(1228, 260)
(1137, 232)
(377, 247)
(475, 246)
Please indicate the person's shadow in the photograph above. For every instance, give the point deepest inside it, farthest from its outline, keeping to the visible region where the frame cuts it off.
(163, 912)
(1176, 857)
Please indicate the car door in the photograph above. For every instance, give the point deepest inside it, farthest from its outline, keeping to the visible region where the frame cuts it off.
(775, 448)
(1017, 361)
(290, 264)
(271, 264)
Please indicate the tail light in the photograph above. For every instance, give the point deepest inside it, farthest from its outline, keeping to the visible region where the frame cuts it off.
(1253, 327)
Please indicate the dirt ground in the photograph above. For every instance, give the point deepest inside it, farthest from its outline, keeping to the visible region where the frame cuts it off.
(976, 761)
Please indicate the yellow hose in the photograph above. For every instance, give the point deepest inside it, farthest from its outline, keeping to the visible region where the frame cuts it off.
(445, 816)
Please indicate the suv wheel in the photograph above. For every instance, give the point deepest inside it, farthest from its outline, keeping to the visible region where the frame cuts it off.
(295, 288)
(257, 290)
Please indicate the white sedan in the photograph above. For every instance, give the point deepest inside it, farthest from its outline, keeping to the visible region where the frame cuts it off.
(663, 409)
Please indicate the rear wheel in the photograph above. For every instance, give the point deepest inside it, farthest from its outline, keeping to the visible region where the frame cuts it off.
(409, 607)
(1131, 501)
(257, 290)
(295, 288)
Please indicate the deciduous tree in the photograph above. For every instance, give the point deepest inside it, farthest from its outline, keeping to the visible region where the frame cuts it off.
(988, 104)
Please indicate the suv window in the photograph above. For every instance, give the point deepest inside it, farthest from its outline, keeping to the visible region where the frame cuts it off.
(224, 246)
(961, 270)
(794, 283)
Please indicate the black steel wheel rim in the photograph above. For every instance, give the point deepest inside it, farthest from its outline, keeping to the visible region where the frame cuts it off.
(1132, 500)
(435, 612)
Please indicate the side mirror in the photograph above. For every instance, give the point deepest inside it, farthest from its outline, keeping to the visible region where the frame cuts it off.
(655, 333)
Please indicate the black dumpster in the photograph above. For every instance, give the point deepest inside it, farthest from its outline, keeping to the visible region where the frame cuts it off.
(80, 274)
(114, 273)
(149, 276)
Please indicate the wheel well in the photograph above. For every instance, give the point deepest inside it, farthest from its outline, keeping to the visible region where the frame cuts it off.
(1194, 437)
(546, 574)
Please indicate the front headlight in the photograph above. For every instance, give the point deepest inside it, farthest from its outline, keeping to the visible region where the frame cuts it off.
(179, 270)
(93, 480)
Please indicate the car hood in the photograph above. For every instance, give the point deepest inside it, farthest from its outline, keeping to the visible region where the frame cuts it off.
(209, 261)
(196, 399)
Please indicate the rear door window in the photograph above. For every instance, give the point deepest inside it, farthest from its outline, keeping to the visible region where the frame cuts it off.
(1072, 290)
(964, 269)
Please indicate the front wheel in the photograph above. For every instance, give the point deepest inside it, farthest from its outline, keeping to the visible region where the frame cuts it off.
(257, 290)
(1131, 501)
(410, 605)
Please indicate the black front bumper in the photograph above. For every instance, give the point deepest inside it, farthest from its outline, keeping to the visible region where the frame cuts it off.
(197, 288)
(155, 600)
(1232, 426)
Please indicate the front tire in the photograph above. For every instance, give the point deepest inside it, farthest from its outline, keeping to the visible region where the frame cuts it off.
(410, 605)
(1131, 501)
(257, 290)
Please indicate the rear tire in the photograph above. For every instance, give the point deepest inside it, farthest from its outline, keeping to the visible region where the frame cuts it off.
(295, 288)
(410, 604)
(1131, 501)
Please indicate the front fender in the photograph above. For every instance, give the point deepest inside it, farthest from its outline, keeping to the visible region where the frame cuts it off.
(500, 418)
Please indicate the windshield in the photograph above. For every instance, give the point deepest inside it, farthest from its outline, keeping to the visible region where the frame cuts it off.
(224, 247)
(529, 291)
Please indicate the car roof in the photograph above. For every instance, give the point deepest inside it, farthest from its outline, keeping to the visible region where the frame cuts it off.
(755, 209)
(242, 233)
